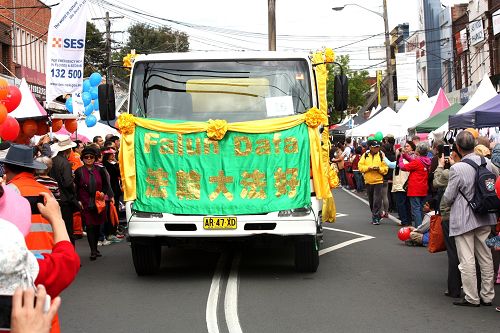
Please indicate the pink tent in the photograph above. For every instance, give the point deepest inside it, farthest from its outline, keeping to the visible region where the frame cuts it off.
(73, 136)
(441, 103)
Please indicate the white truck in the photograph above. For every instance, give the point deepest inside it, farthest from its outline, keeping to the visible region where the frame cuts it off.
(184, 87)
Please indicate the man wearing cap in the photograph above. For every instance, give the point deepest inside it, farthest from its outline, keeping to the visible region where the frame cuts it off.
(62, 173)
(19, 171)
(373, 168)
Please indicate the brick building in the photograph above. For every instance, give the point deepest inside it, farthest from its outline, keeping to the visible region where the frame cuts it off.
(23, 41)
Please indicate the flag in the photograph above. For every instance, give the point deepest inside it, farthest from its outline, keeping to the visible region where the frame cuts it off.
(65, 48)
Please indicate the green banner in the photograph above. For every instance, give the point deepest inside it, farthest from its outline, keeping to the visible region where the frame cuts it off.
(240, 174)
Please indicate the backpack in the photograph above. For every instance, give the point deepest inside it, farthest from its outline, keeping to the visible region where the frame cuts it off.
(485, 199)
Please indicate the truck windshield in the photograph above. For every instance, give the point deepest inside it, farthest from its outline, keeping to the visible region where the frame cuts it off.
(233, 90)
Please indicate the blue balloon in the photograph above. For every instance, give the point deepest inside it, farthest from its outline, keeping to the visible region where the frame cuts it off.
(89, 109)
(90, 120)
(94, 92)
(86, 98)
(95, 79)
(86, 85)
(69, 104)
(96, 105)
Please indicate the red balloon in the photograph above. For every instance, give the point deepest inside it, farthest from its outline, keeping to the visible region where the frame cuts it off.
(497, 187)
(13, 98)
(43, 128)
(404, 234)
(71, 125)
(57, 124)
(30, 127)
(10, 129)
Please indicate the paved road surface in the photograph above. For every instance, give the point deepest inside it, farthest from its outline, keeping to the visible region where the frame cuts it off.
(367, 281)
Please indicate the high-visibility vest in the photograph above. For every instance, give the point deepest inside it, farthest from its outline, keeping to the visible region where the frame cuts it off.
(40, 239)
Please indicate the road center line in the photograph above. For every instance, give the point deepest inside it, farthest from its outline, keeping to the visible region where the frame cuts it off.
(344, 244)
(213, 296)
(231, 298)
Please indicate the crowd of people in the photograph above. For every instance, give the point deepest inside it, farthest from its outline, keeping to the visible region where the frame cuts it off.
(417, 180)
(53, 192)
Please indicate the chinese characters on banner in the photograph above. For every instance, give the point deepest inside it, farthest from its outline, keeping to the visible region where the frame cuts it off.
(240, 174)
(65, 48)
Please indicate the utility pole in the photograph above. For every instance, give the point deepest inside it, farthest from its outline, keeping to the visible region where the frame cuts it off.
(271, 22)
(109, 60)
(390, 85)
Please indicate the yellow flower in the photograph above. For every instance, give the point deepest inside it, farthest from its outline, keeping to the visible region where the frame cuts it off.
(314, 117)
(126, 123)
(216, 129)
(329, 55)
(317, 58)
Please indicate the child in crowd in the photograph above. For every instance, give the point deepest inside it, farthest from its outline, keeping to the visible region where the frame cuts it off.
(420, 236)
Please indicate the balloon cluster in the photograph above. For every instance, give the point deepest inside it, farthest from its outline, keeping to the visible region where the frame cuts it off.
(377, 136)
(89, 98)
(10, 98)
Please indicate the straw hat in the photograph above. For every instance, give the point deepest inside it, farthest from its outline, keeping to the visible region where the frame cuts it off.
(63, 144)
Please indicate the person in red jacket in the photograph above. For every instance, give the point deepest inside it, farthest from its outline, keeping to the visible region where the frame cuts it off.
(418, 167)
(20, 268)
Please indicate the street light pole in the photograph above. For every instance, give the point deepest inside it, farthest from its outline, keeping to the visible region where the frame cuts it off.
(390, 85)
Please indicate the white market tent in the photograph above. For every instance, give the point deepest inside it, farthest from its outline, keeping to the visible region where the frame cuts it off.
(374, 111)
(385, 121)
(484, 93)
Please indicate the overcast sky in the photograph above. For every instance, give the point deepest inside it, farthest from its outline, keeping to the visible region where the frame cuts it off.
(301, 25)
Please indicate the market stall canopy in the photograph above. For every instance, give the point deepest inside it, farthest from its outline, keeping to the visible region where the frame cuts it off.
(384, 122)
(439, 119)
(29, 106)
(485, 115)
(353, 122)
(441, 103)
(375, 111)
(484, 92)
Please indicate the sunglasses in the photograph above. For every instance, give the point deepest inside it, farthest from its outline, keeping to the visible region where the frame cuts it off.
(88, 157)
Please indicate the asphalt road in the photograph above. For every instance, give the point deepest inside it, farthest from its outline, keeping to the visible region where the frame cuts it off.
(367, 281)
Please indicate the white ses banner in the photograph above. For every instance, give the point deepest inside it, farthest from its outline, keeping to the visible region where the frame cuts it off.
(65, 48)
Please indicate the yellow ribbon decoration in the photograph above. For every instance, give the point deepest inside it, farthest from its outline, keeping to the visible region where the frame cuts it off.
(127, 144)
(216, 129)
(314, 117)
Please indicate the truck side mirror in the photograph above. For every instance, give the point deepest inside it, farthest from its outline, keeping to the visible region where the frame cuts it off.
(341, 93)
(106, 94)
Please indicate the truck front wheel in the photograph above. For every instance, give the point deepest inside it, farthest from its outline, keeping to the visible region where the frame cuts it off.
(306, 254)
(146, 258)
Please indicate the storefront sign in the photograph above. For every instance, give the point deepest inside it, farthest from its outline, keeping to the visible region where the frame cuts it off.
(476, 32)
(461, 41)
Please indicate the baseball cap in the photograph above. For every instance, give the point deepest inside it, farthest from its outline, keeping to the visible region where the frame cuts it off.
(374, 143)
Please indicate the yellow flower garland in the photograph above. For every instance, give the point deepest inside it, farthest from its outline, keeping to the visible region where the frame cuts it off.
(314, 117)
(216, 129)
(126, 123)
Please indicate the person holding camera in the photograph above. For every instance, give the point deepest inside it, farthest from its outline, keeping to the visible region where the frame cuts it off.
(417, 181)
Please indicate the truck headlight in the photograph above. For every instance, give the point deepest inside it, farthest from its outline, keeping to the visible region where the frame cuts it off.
(296, 212)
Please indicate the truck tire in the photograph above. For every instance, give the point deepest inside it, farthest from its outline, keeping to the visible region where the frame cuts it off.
(306, 254)
(146, 258)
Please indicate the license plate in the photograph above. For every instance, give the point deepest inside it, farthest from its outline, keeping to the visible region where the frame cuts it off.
(219, 223)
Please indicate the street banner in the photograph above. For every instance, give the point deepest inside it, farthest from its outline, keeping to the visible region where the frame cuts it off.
(406, 71)
(65, 48)
(241, 174)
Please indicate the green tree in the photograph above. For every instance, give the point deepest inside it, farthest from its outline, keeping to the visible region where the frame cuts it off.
(145, 39)
(95, 51)
(358, 84)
